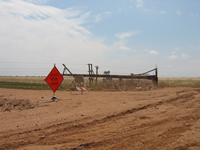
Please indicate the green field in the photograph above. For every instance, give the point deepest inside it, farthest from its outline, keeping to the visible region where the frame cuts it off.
(33, 83)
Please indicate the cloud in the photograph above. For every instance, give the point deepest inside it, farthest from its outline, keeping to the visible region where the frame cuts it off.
(163, 12)
(100, 16)
(184, 56)
(194, 15)
(139, 4)
(37, 1)
(46, 34)
(121, 9)
(126, 34)
(176, 48)
(120, 45)
(31, 11)
(151, 52)
(178, 12)
(197, 61)
(173, 57)
(130, 6)
(124, 48)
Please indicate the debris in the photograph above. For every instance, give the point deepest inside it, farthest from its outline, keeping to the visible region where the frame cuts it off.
(42, 137)
(11, 104)
(144, 117)
(187, 124)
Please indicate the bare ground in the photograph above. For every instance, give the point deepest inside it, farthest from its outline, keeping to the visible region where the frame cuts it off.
(158, 119)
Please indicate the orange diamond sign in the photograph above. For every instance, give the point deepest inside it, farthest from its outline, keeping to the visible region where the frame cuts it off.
(54, 79)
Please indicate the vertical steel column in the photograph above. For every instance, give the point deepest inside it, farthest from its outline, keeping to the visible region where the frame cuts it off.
(96, 73)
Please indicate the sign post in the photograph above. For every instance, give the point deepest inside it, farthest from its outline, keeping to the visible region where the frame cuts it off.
(54, 79)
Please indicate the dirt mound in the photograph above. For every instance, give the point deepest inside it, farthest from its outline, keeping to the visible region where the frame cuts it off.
(11, 104)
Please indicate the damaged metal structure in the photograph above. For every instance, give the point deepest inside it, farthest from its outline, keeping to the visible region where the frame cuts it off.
(92, 75)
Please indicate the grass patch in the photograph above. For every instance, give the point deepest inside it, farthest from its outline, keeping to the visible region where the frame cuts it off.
(181, 82)
(38, 83)
(31, 83)
(31, 86)
(124, 85)
(22, 85)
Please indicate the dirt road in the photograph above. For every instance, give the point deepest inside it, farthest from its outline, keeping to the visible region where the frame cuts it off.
(158, 119)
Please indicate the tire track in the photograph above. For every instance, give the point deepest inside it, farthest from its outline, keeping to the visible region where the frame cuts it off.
(48, 135)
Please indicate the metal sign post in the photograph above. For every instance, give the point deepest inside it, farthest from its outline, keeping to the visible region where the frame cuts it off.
(54, 79)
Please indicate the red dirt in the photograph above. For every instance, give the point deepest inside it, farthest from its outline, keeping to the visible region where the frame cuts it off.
(158, 119)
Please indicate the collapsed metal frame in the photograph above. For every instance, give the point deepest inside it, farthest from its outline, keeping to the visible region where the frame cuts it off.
(154, 78)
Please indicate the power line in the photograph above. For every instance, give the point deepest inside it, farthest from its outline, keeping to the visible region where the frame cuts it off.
(45, 70)
(39, 63)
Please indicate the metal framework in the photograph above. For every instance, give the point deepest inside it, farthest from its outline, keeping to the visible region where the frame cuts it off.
(91, 75)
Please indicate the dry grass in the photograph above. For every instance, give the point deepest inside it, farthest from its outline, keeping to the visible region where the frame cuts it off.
(110, 85)
(124, 85)
(178, 82)
(23, 79)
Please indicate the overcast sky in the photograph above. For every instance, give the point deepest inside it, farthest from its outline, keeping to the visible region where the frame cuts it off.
(123, 36)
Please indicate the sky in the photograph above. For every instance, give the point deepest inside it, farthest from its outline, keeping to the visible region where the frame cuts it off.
(123, 36)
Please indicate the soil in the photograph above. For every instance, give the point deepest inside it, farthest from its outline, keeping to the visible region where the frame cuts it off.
(164, 119)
